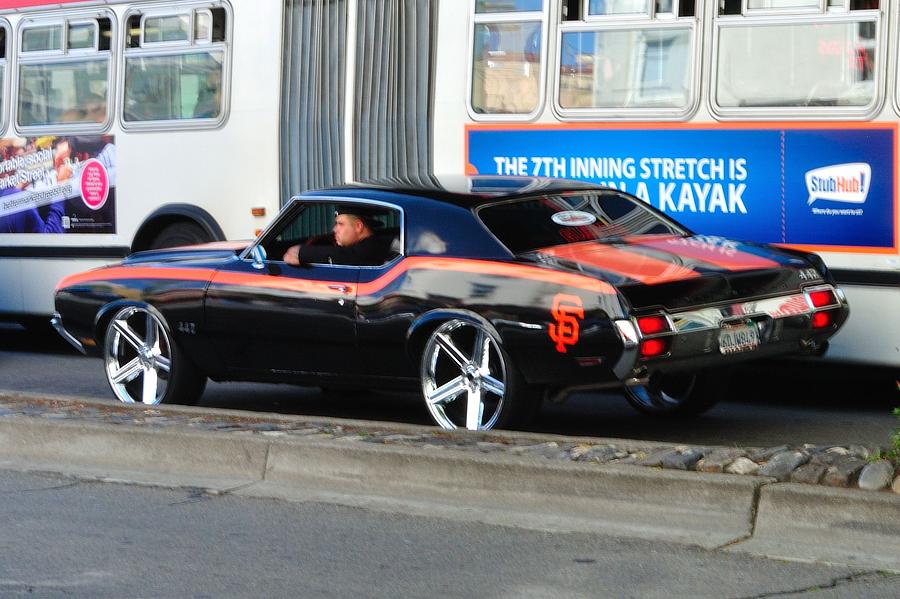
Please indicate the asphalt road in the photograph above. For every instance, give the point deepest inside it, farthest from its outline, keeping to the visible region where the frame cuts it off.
(770, 405)
(65, 538)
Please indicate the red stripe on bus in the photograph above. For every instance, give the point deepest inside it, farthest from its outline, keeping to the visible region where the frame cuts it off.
(12, 4)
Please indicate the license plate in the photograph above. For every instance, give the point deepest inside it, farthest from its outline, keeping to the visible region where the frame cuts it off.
(738, 337)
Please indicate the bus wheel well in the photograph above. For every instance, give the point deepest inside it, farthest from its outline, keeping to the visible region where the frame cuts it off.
(181, 222)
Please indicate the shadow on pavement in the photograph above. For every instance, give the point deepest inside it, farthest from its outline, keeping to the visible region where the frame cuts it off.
(769, 403)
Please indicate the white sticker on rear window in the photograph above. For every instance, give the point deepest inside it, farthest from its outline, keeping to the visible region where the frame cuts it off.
(573, 218)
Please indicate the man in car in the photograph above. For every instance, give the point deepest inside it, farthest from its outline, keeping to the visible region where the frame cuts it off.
(353, 242)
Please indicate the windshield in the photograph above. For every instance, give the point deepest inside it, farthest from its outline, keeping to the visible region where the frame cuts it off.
(532, 223)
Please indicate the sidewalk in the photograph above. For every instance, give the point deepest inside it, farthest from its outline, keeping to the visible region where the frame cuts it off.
(620, 487)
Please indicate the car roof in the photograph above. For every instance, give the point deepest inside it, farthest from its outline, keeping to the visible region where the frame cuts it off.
(460, 190)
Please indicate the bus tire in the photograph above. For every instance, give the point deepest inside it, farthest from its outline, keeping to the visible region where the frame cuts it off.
(180, 233)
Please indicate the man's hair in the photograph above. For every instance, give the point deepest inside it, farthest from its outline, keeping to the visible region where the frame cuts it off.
(362, 213)
(357, 218)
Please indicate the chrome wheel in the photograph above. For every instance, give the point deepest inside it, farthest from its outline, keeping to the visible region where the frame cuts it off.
(464, 376)
(138, 356)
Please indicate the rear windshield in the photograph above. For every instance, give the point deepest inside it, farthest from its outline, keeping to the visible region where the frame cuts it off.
(543, 221)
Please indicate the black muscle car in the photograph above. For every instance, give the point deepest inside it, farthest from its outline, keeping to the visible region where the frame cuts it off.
(492, 294)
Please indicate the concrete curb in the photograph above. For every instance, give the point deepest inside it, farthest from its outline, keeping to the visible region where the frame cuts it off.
(743, 513)
(838, 526)
(705, 510)
(130, 453)
(526, 492)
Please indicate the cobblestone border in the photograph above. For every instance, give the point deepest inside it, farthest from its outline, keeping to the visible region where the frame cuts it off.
(852, 466)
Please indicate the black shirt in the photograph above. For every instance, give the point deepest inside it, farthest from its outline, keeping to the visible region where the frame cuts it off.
(371, 251)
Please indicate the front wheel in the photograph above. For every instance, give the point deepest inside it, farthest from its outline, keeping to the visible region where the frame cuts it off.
(142, 363)
(469, 381)
(678, 394)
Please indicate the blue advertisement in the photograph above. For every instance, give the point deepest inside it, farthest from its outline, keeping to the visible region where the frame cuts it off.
(811, 186)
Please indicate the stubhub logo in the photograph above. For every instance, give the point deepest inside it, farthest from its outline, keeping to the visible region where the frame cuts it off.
(839, 183)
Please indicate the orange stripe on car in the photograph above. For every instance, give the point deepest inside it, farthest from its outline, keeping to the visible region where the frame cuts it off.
(135, 272)
(264, 280)
(486, 267)
(637, 266)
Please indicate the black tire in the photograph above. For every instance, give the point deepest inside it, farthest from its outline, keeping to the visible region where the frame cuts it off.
(451, 375)
(679, 394)
(148, 367)
(177, 234)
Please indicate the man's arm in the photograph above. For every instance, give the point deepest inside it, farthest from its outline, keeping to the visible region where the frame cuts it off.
(364, 253)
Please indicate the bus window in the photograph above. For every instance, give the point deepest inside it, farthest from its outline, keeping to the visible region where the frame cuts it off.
(175, 66)
(64, 73)
(607, 65)
(83, 36)
(792, 4)
(170, 28)
(507, 57)
(42, 39)
(618, 7)
(833, 64)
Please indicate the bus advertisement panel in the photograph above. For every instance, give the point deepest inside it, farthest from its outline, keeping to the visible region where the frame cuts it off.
(54, 184)
(819, 186)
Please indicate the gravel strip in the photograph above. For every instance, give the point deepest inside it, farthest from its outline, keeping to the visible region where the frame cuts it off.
(851, 466)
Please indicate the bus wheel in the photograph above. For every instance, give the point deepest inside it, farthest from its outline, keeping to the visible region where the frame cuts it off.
(142, 363)
(182, 233)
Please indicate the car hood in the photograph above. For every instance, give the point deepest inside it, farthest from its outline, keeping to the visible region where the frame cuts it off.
(672, 272)
(216, 250)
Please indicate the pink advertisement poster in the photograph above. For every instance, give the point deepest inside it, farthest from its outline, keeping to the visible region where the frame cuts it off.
(58, 184)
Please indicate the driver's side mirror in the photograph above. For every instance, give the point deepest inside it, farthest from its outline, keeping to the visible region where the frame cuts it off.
(258, 254)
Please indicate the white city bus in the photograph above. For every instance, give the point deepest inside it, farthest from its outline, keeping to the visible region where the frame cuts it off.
(769, 120)
(129, 125)
(120, 132)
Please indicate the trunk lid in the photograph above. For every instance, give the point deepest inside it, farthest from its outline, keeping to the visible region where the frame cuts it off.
(674, 273)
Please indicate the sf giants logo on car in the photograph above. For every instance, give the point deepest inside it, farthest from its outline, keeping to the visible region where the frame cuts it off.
(567, 310)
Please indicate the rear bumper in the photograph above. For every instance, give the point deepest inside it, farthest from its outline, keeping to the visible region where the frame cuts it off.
(783, 324)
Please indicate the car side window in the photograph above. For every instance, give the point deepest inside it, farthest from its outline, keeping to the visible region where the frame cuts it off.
(308, 223)
(312, 224)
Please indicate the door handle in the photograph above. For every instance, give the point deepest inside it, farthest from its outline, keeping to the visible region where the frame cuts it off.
(342, 288)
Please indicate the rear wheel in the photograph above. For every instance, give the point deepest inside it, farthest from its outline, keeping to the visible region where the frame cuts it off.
(142, 363)
(469, 381)
(182, 233)
(678, 394)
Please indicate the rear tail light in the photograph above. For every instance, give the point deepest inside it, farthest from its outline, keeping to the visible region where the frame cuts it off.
(823, 320)
(650, 325)
(651, 348)
(823, 301)
(821, 298)
(655, 337)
